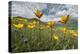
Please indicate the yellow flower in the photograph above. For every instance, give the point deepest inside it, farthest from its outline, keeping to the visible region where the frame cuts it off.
(55, 37)
(34, 22)
(48, 26)
(38, 13)
(30, 26)
(64, 19)
(51, 23)
(19, 26)
(34, 25)
(74, 33)
(64, 30)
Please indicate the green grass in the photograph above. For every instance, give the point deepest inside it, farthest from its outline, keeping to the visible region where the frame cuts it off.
(40, 40)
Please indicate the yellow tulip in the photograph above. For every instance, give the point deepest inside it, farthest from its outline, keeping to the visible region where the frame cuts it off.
(51, 23)
(64, 19)
(55, 37)
(19, 26)
(38, 13)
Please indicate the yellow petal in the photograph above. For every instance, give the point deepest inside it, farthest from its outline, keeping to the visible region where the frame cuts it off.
(64, 19)
(55, 37)
(51, 23)
(38, 13)
(74, 33)
(34, 22)
(64, 30)
(18, 25)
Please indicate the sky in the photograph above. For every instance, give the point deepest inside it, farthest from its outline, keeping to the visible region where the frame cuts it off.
(50, 11)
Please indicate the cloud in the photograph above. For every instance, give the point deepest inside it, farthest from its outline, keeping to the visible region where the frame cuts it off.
(60, 13)
(27, 9)
(72, 11)
(45, 18)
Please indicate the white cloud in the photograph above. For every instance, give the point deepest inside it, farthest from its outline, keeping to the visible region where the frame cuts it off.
(27, 10)
(52, 10)
(60, 13)
(72, 10)
(45, 18)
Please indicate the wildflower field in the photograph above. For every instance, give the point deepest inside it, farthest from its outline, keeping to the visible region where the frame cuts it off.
(33, 35)
(37, 26)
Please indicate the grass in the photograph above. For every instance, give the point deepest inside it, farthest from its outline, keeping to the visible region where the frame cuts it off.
(36, 39)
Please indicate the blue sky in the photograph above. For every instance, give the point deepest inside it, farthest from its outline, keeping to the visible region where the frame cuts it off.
(50, 11)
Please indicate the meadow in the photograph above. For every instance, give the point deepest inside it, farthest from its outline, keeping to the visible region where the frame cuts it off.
(29, 35)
